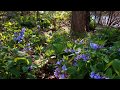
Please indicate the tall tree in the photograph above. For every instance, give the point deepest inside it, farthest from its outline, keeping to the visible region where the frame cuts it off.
(80, 22)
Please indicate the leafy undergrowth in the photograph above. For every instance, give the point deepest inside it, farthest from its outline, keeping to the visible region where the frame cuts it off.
(27, 54)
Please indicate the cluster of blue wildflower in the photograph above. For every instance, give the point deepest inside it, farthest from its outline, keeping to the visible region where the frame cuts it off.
(59, 72)
(72, 51)
(95, 46)
(94, 75)
(69, 50)
(19, 36)
(85, 57)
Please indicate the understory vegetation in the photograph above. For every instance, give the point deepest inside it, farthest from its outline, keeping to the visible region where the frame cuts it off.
(45, 49)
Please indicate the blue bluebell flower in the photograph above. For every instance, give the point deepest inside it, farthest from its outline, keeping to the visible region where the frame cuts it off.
(75, 63)
(85, 57)
(92, 74)
(57, 72)
(62, 76)
(97, 76)
(77, 57)
(64, 67)
(20, 36)
(28, 44)
(58, 63)
(71, 50)
(95, 46)
(23, 30)
(66, 50)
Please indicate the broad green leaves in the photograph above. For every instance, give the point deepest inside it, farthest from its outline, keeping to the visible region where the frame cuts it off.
(116, 66)
(58, 47)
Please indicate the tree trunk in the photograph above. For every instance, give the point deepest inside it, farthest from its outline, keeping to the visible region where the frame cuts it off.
(80, 22)
(87, 21)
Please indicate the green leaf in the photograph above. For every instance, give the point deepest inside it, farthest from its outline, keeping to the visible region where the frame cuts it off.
(30, 76)
(92, 68)
(116, 66)
(69, 45)
(71, 70)
(25, 69)
(109, 72)
(21, 45)
(21, 60)
(106, 59)
(108, 65)
(100, 66)
(15, 72)
(65, 57)
(58, 47)
(49, 52)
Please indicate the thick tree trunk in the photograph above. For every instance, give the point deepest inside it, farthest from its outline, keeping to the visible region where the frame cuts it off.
(80, 22)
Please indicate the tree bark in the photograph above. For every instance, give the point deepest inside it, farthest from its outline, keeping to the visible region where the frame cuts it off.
(80, 22)
(87, 21)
